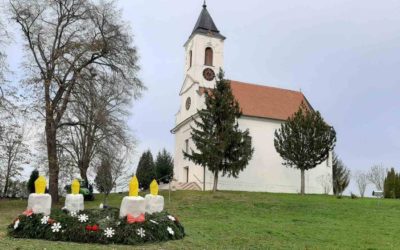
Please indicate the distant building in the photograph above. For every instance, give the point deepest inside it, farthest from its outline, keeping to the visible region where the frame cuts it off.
(264, 109)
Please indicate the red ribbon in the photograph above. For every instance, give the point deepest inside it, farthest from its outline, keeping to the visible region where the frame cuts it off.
(28, 212)
(132, 219)
(92, 228)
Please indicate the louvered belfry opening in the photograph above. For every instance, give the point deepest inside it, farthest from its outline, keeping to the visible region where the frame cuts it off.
(209, 57)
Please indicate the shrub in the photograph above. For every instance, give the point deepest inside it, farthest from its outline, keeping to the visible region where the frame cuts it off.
(353, 196)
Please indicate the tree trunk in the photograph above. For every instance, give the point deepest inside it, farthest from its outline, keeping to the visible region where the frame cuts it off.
(204, 178)
(215, 181)
(5, 187)
(7, 179)
(302, 182)
(53, 160)
(105, 199)
(83, 170)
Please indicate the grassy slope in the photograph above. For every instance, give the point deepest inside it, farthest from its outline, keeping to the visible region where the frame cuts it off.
(255, 220)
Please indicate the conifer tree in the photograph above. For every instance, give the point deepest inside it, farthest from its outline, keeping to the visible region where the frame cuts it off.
(340, 175)
(164, 166)
(145, 171)
(32, 179)
(304, 141)
(220, 145)
(390, 185)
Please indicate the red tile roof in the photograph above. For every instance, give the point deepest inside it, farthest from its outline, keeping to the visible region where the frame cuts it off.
(266, 102)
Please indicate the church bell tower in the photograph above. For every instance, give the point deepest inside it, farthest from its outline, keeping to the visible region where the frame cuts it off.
(204, 51)
(204, 54)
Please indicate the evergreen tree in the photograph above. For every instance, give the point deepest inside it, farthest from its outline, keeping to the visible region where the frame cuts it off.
(340, 175)
(145, 171)
(221, 146)
(397, 186)
(103, 180)
(164, 166)
(31, 183)
(304, 141)
(390, 184)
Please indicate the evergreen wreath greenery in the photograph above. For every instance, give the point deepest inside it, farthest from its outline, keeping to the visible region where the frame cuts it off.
(103, 226)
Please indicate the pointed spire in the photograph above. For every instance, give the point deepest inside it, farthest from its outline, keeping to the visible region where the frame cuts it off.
(205, 24)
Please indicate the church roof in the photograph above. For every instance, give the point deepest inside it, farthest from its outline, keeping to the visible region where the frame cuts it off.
(266, 102)
(206, 25)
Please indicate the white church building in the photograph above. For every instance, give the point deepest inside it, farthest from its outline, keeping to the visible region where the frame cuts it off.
(264, 109)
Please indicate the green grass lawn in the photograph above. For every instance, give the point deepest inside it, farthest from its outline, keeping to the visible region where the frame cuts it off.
(241, 220)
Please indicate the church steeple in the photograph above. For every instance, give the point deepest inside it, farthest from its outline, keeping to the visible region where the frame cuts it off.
(205, 24)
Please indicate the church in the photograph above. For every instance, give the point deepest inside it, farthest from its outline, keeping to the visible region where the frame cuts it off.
(264, 109)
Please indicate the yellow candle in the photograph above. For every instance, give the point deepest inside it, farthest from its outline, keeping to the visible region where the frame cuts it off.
(40, 185)
(134, 187)
(154, 187)
(75, 186)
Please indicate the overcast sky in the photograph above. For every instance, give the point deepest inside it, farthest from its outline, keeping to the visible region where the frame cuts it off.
(344, 55)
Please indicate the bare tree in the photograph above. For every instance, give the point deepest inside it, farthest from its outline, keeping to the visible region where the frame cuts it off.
(113, 170)
(362, 182)
(14, 153)
(376, 175)
(98, 112)
(3, 38)
(65, 40)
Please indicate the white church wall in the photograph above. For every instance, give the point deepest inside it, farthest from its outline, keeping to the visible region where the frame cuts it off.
(265, 172)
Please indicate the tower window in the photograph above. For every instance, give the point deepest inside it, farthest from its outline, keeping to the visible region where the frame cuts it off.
(190, 59)
(209, 57)
(187, 145)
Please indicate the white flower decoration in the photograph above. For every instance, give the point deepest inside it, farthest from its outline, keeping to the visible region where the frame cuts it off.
(73, 213)
(141, 232)
(45, 220)
(16, 224)
(170, 231)
(171, 217)
(109, 232)
(83, 218)
(56, 227)
(153, 221)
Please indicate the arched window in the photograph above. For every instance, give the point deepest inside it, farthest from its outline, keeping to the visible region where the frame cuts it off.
(209, 57)
(190, 59)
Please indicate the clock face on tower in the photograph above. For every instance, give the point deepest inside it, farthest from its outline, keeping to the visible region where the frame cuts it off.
(208, 74)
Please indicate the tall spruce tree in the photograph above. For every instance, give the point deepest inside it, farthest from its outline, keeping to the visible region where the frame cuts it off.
(340, 175)
(304, 141)
(221, 146)
(145, 171)
(391, 185)
(164, 166)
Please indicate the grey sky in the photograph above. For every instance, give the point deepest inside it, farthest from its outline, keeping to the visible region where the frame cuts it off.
(344, 55)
